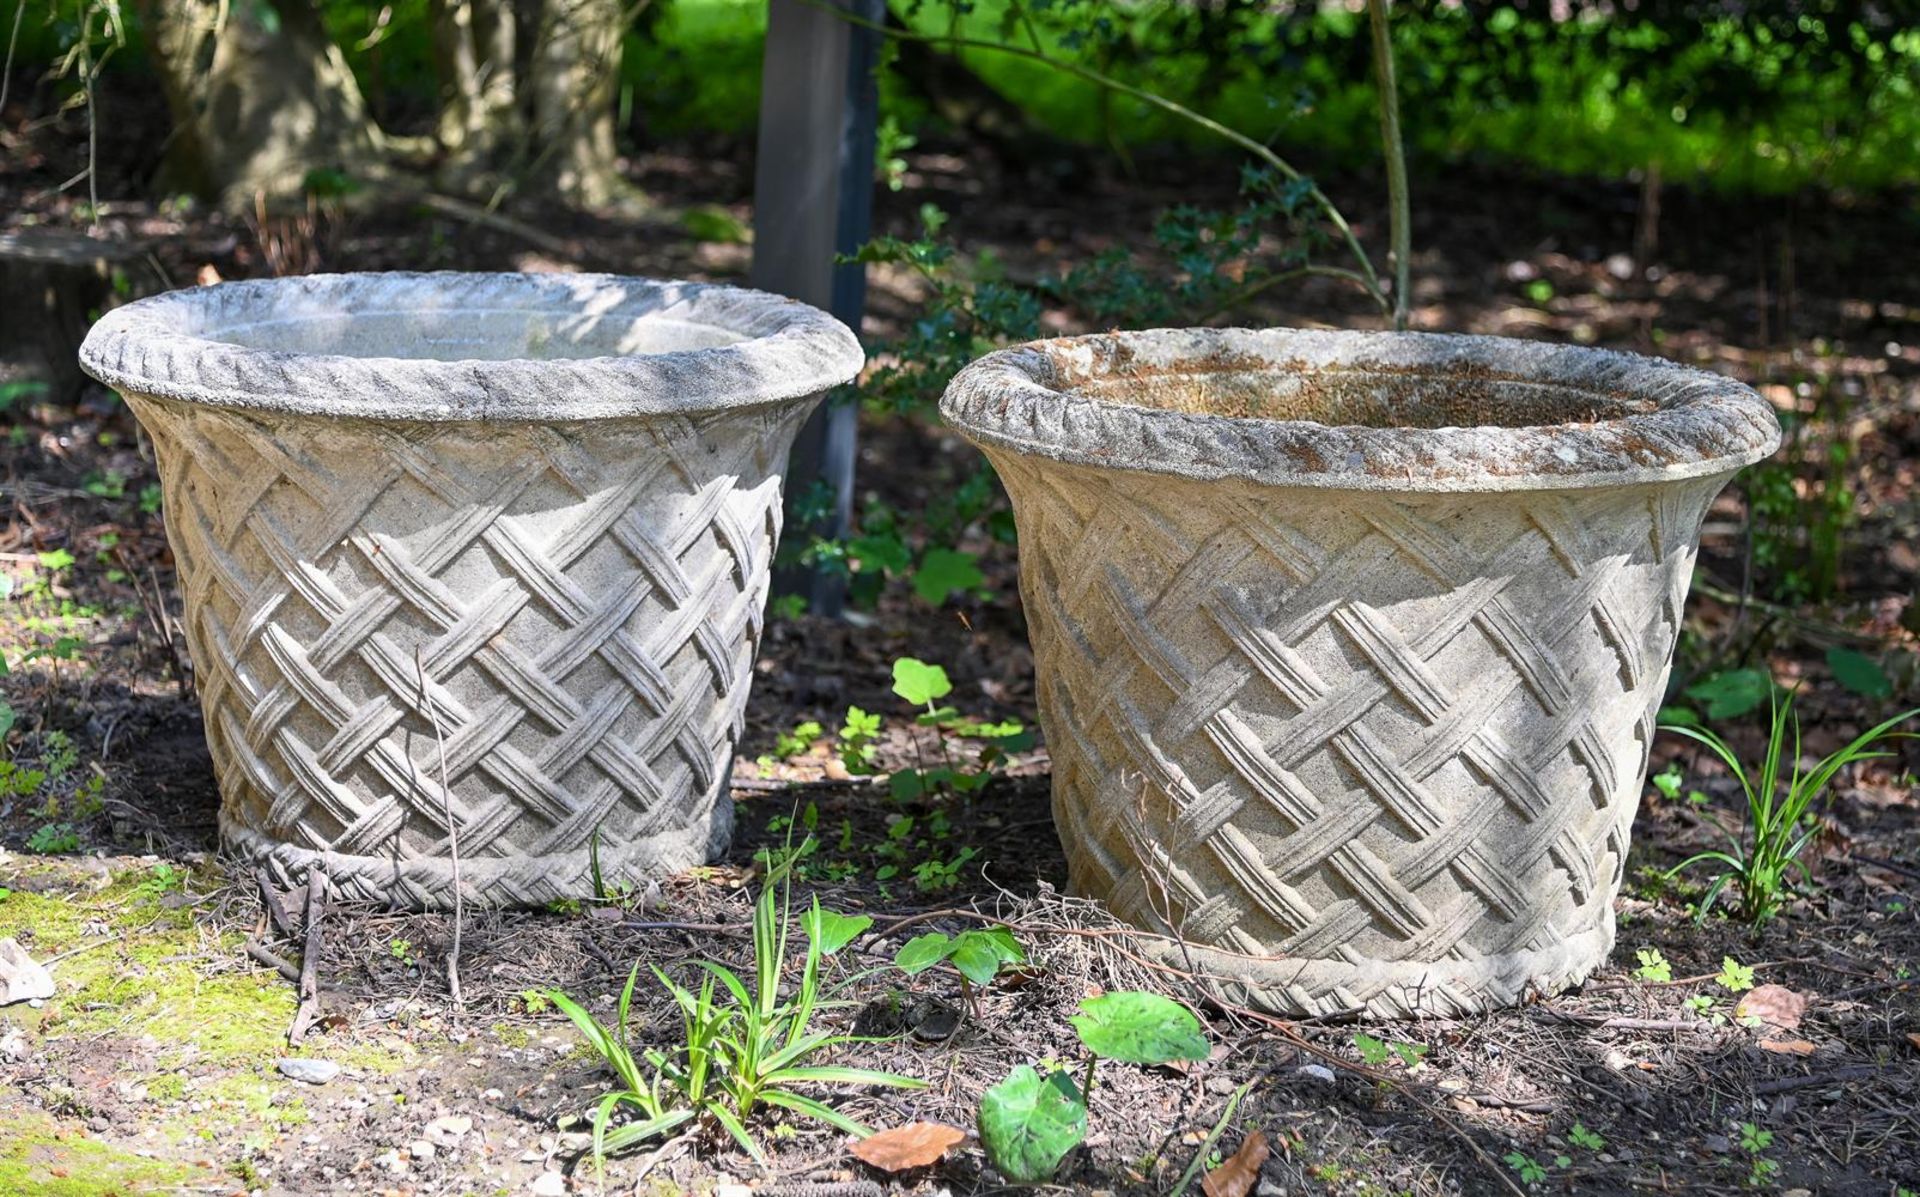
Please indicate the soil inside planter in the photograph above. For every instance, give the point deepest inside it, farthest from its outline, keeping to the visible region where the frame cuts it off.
(1371, 397)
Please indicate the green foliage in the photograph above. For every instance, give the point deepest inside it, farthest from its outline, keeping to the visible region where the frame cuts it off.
(1779, 799)
(920, 683)
(1731, 694)
(741, 1046)
(1028, 1123)
(1668, 781)
(1139, 1028)
(1734, 977)
(977, 955)
(1858, 673)
(1528, 1169)
(51, 838)
(1580, 1136)
(1653, 966)
(710, 222)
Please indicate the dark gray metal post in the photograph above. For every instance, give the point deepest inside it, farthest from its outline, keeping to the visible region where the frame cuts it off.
(812, 200)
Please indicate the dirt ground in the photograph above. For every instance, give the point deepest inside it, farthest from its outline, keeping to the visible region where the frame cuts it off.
(157, 1064)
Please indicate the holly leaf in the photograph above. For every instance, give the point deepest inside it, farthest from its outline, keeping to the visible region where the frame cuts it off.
(943, 571)
(830, 931)
(922, 952)
(1028, 1125)
(918, 682)
(1139, 1028)
(1859, 673)
(914, 1145)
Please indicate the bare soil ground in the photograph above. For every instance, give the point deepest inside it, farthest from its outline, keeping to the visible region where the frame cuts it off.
(155, 1067)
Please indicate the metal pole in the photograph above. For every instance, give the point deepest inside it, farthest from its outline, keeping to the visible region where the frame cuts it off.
(813, 200)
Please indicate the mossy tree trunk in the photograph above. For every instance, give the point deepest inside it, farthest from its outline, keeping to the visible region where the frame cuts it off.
(575, 81)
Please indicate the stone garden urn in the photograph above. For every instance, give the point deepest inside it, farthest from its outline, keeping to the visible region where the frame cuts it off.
(473, 564)
(1350, 644)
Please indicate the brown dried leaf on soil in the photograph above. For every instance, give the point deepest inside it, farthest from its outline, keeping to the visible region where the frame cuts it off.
(914, 1145)
(1237, 1176)
(1775, 1005)
(1787, 1047)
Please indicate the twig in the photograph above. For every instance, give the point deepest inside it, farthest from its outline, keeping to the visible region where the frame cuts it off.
(276, 910)
(309, 1011)
(453, 835)
(1620, 1023)
(6, 76)
(273, 960)
(1400, 205)
(50, 961)
(1786, 1083)
(1213, 1136)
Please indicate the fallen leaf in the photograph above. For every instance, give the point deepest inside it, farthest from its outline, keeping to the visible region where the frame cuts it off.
(1237, 1176)
(1775, 1005)
(1787, 1047)
(207, 275)
(914, 1145)
(1913, 1037)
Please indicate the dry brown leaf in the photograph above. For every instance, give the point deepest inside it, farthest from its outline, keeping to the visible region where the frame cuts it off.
(1775, 1005)
(914, 1145)
(1787, 1047)
(1237, 1176)
(1914, 1038)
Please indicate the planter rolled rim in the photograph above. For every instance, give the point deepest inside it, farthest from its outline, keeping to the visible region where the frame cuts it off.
(1574, 417)
(193, 346)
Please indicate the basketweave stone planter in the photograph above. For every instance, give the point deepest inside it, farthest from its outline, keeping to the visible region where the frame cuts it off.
(524, 521)
(1350, 644)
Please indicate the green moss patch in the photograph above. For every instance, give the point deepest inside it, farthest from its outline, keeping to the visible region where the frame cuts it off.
(38, 1157)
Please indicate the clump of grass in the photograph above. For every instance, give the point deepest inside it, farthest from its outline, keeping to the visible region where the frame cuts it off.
(1780, 799)
(739, 1048)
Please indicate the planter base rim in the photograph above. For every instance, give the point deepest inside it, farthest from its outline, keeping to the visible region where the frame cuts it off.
(1321, 988)
(426, 883)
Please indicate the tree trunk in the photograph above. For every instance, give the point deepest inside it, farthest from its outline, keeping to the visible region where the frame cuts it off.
(260, 97)
(480, 121)
(575, 80)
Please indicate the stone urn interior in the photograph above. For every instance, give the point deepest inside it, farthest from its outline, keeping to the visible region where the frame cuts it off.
(1350, 645)
(474, 565)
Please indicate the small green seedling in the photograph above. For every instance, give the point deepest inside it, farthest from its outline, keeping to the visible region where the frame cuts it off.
(1653, 966)
(1734, 976)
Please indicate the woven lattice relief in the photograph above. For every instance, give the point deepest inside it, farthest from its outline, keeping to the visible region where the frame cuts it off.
(568, 612)
(1357, 750)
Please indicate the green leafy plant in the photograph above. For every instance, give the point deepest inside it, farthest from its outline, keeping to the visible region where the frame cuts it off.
(1653, 966)
(1760, 1170)
(1377, 1052)
(1528, 1168)
(1029, 1122)
(51, 838)
(741, 1046)
(1580, 1136)
(924, 685)
(1734, 977)
(1779, 798)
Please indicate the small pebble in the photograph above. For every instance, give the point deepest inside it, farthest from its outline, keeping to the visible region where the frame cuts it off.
(1315, 1072)
(548, 1184)
(312, 1072)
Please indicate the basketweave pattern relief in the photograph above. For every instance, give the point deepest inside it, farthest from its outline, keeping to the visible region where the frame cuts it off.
(1353, 736)
(569, 616)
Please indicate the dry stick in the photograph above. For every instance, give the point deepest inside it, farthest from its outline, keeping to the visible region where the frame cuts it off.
(273, 960)
(276, 910)
(1401, 215)
(1784, 1084)
(6, 75)
(453, 835)
(309, 1011)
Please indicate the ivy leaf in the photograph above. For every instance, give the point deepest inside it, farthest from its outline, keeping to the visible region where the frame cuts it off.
(918, 682)
(943, 571)
(1139, 1028)
(922, 952)
(830, 931)
(1859, 673)
(1028, 1125)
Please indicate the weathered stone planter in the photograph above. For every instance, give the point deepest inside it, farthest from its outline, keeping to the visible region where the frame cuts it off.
(1350, 644)
(524, 521)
